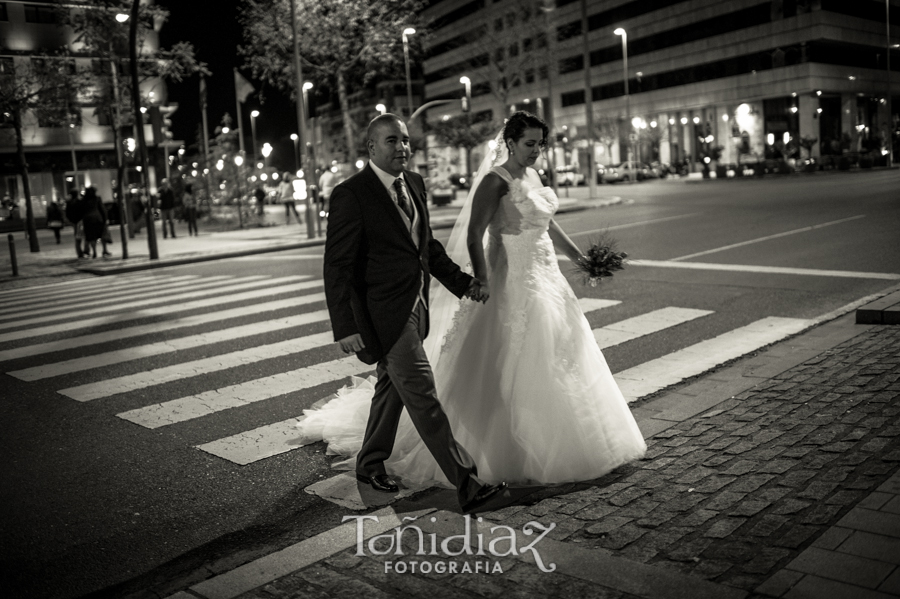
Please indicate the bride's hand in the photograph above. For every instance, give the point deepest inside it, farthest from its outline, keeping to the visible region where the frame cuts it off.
(478, 291)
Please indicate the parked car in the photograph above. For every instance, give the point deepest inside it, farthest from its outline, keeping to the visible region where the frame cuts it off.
(626, 171)
(569, 175)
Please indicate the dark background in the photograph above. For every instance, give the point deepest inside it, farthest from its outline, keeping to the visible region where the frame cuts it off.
(213, 28)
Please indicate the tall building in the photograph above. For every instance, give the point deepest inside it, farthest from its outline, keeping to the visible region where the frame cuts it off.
(80, 151)
(748, 77)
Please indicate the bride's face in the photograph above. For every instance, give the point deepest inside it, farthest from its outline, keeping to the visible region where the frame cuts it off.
(527, 150)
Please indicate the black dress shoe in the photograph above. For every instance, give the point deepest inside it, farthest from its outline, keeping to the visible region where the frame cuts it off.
(486, 493)
(379, 482)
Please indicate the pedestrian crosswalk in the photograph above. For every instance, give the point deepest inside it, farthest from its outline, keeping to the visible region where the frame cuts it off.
(152, 340)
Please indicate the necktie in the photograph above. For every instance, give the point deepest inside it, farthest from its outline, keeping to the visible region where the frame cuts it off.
(402, 200)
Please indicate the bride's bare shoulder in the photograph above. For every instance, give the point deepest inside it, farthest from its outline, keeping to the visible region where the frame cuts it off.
(493, 184)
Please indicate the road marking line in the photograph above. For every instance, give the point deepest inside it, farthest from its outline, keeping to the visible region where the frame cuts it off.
(274, 257)
(170, 345)
(636, 224)
(589, 304)
(184, 370)
(114, 286)
(102, 302)
(765, 269)
(266, 569)
(672, 368)
(167, 310)
(234, 396)
(158, 327)
(645, 324)
(65, 285)
(768, 237)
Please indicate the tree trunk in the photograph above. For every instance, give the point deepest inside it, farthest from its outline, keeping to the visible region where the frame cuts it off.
(30, 228)
(348, 120)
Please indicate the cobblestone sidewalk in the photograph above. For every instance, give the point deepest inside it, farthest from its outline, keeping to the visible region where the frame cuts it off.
(728, 497)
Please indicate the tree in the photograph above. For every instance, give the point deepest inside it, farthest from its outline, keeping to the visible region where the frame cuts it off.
(464, 131)
(606, 131)
(343, 43)
(99, 34)
(44, 88)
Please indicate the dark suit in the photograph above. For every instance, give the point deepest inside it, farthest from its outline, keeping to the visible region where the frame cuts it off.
(373, 275)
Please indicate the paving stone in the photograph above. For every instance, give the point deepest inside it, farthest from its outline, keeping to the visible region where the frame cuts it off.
(790, 506)
(750, 483)
(839, 447)
(875, 445)
(767, 525)
(796, 452)
(639, 508)
(845, 497)
(856, 434)
(658, 463)
(736, 552)
(723, 500)
(655, 519)
(627, 496)
(821, 514)
(742, 447)
(607, 525)
(725, 527)
(698, 518)
(710, 569)
(684, 502)
(773, 494)
(817, 490)
(742, 467)
(796, 536)
(718, 461)
(669, 492)
(595, 512)
(622, 536)
(688, 551)
(878, 469)
(723, 443)
(796, 478)
(777, 466)
(835, 475)
(750, 507)
(713, 483)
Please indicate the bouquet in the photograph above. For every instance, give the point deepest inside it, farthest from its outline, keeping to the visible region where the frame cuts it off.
(600, 260)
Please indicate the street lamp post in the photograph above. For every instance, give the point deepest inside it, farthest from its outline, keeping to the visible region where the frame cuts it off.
(624, 35)
(301, 122)
(890, 112)
(253, 116)
(141, 142)
(266, 152)
(381, 108)
(588, 101)
(238, 161)
(467, 101)
(406, 33)
(295, 138)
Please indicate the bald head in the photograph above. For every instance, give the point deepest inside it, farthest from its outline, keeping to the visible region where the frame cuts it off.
(388, 142)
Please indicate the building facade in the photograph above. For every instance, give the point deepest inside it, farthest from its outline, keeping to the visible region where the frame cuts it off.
(79, 152)
(739, 81)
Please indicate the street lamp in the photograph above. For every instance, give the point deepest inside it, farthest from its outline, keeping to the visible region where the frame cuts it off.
(295, 138)
(467, 101)
(380, 108)
(266, 151)
(253, 116)
(624, 34)
(406, 33)
(238, 161)
(121, 17)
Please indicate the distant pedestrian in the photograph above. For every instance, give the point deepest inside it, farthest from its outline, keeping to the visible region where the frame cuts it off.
(94, 220)
(286, 191)
(260, 196)
(327, 183)
(167, 207)
(55, 220)
(75, 212)
(189, 202)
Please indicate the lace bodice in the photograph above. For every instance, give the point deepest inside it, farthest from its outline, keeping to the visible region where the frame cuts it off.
(528, 206)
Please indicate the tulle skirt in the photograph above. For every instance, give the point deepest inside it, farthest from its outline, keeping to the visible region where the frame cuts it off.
(526, 389)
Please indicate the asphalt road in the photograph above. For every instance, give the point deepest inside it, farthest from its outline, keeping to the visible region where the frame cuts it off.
(92, 501)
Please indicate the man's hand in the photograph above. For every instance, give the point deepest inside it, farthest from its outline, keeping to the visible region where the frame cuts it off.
(478, 291)
(352, 344)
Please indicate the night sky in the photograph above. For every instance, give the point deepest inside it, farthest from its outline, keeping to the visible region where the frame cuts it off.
(212, 26)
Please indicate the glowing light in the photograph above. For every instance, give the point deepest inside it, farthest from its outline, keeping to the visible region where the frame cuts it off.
(307, 86)
(194, 173)
(122, 17)
(260, 165)
(465, 80)
(381, 108)
(770, 138)
(409, 31)
(239, 160)
(684, 120)
(274, 176)
(359, 164)
(263, 177)
(653, 124)
(696, 120)
(220, 164)
(671, 121)
(786, 137)
(706, 159)
(225, 129)
(294, 137)
(725, 117)
(266, 149)
(619, 31)
(254, 114)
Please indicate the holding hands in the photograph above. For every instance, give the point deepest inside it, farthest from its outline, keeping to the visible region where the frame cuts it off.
(478, 291)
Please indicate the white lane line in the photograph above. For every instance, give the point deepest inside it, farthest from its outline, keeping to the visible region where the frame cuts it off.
(635, 224)
(64, 286)
(781, 270)
(114, 286)
(172, 303)
(101, 300)
(147, 329)
(672, 368)
(645, 324)
(184, 370)
(266, 569)
(233, 396)
(276, 257)
(768, 237)
(202, 304)
(589, 304)
(163, 347)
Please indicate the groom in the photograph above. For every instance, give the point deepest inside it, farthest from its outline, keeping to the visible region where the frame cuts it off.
(379, 258)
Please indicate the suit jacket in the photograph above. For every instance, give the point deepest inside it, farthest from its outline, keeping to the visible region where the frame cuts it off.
(372, 266)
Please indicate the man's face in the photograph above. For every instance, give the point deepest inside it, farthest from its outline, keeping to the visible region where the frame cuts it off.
(389, 147)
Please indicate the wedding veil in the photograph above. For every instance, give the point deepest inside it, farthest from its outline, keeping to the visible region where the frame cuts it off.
(444, 306)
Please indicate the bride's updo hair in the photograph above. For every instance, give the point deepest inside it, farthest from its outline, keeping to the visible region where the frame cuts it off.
(521, 120)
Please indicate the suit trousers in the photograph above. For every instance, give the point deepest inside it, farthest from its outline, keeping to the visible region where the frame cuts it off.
(405, 379)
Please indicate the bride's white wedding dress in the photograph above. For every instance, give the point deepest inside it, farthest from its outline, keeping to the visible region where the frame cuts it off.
(527, 390)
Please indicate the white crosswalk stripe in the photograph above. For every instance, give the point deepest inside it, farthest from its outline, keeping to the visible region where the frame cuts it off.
(100, 301)
(169, 310)
(68, 286)
(209, 303)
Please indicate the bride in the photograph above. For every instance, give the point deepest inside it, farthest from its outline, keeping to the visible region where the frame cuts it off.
(524, 385)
